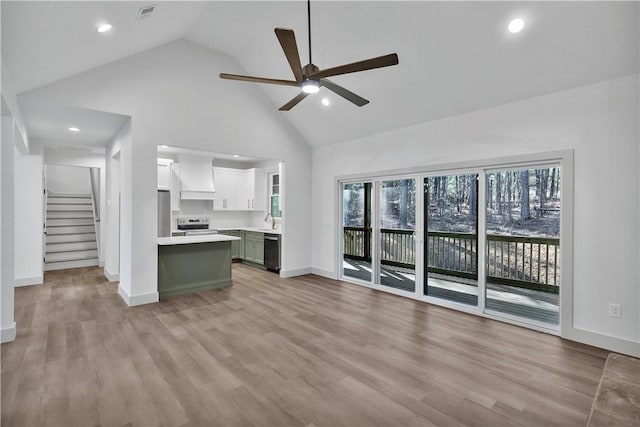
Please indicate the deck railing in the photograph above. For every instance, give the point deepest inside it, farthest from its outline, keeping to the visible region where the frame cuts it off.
(397, 248)
(526, 262)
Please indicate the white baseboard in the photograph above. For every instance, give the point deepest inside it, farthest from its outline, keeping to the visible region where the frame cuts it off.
(138, 299)
(112, 277)
(295, 272)
(618, 345)
(324, 273)
(28, 281)
(8, 334)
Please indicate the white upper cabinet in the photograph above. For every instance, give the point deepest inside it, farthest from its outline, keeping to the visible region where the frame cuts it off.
(164, 174)
(224, 180)
(256, 189)
(240, 190)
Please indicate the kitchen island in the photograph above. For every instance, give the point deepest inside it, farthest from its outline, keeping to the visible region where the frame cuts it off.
(188, 264)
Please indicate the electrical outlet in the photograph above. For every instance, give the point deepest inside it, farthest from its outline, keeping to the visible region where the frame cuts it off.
(615, 310)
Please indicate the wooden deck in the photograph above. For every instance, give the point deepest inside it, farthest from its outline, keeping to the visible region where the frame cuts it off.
(304, 351)
(527, 303)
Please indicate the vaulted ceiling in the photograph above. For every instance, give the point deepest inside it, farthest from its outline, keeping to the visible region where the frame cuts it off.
(455, 57)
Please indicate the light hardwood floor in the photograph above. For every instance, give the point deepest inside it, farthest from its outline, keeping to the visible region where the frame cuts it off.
(306, 351)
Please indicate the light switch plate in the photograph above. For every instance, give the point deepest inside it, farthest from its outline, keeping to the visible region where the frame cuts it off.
(615, 310)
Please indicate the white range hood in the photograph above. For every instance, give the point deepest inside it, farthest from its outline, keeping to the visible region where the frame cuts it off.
(196, 176)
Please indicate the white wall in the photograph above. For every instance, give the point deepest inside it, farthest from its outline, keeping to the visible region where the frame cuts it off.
(7, 145)
(10, 99)
(175, 97)
(113, 154)
(28, 217)
(68, 179)
(600, 122)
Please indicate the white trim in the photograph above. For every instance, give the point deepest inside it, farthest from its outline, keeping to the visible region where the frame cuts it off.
(619, 345)
(566, 242)
(295, 272)
(325, 273)
(28, 281)
(8, 334)
(112, 277)
(100, 262)
(481, 238)
(138, 299)
(464, 167)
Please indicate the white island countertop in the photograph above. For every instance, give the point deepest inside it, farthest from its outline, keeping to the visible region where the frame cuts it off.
(205, 238)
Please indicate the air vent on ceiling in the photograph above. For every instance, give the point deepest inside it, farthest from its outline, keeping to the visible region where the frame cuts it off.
(145, 12)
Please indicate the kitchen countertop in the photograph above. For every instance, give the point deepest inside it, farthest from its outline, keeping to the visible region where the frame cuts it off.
(257, 229)
(206, 238)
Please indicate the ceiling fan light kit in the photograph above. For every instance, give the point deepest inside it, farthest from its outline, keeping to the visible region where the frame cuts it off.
(310, 86)
(309, 78)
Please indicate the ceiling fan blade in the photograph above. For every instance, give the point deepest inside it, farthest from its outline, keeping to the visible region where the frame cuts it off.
(367, 64)
(294, 101)
(345, 93)
(258, 79)
(287, 40)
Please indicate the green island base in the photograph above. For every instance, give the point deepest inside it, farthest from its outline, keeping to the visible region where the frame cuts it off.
(193, 267)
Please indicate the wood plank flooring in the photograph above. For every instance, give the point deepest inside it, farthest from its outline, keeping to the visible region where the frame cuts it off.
(305, 351)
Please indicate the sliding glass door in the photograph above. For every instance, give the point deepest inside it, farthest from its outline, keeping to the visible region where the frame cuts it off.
(378, 233)
(356, 226)
(451, 238)
(485, 240)
(523, 243)
(396, 234)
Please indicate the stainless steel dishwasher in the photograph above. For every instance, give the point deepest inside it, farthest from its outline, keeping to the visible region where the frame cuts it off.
(272, 252)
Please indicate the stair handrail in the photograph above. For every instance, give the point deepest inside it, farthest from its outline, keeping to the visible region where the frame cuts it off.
(95, 203)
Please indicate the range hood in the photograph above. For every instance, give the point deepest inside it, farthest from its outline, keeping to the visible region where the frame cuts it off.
(196, 176)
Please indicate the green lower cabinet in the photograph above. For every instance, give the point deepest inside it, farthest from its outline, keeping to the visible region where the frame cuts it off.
(238, 246)
(254, 247)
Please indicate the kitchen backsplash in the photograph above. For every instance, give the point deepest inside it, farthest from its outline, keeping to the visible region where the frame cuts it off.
(218, 219)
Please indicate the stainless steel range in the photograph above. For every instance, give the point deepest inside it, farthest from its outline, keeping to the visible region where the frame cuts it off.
(195, 226)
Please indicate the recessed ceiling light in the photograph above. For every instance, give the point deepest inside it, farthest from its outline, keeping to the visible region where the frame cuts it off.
(516, 25)
(236, 156)
(326, 102)
(103, 28)
(74, 129)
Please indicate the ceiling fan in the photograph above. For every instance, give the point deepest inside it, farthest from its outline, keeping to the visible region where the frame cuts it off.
(309, 78)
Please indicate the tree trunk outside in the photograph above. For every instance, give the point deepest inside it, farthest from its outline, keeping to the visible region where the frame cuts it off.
(499, 192)
(490, 191)
(509, 193)
(524, 195)
(473, 196)
(404, 207)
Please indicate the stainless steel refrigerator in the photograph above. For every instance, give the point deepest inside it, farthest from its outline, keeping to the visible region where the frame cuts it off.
(164, 213)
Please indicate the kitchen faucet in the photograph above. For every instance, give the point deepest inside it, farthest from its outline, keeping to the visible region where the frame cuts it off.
(273, 220)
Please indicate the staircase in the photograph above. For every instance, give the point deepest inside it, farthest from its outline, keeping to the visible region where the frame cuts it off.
(70, 240)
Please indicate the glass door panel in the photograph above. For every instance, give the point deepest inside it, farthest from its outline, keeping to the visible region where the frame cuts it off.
(451, 244)
(397, 220)
(356, 231)
(523, 243)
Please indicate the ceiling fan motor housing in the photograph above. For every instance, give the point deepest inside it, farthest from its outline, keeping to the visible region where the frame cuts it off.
(309, 69)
